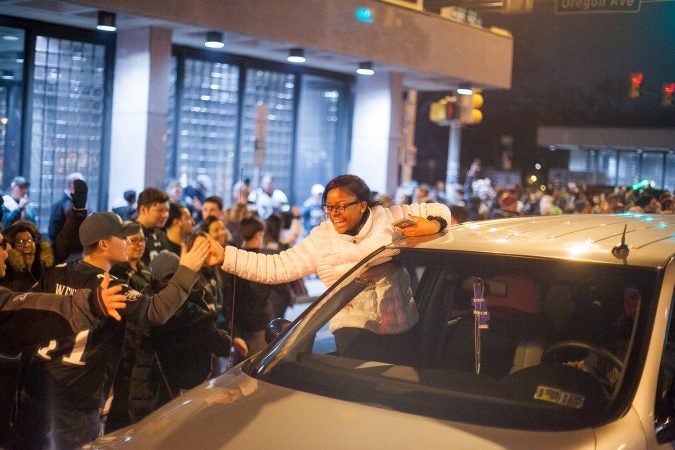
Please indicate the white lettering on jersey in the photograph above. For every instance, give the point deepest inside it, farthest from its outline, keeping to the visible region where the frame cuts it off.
(62, 289)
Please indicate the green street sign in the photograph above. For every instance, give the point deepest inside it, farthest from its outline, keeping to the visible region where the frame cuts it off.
(596, 6)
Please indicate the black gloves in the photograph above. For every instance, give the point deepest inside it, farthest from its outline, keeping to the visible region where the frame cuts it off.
(79, 194)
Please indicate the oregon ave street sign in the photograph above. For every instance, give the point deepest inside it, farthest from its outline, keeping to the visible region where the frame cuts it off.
(596, 6)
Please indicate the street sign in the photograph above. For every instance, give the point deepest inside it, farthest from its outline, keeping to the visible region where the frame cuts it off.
(596, 6)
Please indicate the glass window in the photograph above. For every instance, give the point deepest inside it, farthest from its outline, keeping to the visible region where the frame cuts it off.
(11, 104)
(68, 101)
(321, 146)
(207, 124)
(556, 348)
(629, 168)
(607, 167)
(652, 168)
(669, 183)
(269, 107)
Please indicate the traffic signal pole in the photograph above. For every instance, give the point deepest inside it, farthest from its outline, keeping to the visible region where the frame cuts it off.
(454, 150)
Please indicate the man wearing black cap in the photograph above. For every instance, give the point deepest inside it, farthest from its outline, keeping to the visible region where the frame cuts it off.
(16, 205)
(74, 374)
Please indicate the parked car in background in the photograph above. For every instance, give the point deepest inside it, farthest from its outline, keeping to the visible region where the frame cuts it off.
(535, 333)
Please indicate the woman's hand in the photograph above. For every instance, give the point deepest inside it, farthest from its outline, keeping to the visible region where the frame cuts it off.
(422, 227)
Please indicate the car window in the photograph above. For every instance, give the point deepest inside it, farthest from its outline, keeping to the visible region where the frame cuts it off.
(518, 342)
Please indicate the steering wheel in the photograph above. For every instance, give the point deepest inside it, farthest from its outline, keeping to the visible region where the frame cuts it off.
(580, 345)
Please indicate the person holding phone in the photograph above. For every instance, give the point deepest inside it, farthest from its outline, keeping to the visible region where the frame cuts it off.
(353, 230)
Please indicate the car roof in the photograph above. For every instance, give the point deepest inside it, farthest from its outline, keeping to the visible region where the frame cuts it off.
(579, 237)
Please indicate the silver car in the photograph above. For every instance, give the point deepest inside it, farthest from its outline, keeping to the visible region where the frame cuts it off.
(548, 332)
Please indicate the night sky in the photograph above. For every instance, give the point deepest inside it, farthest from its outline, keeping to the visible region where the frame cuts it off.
(569, 70)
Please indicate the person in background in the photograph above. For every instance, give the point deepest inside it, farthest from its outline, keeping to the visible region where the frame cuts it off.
(62, 206)
(195, 194)
(128, 211)
(458, 214)
(153, 212)
(178, 227)
(238, 213)
(138, 277)
(213, 206)
(215, 228)
(267, 199)
(252, 309)
(354, 230)
(16, 205)
(241, 191)
(312, 214)
(174, 190)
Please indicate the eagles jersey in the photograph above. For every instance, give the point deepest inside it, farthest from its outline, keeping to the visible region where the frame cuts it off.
(75, 368)
(155, 242)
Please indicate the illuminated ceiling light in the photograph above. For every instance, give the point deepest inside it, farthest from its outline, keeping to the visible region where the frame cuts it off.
(214, 39)
(10, 37)
(365, 68)
(106, 21)
(296, 55)
(7, 75)
(464, 89)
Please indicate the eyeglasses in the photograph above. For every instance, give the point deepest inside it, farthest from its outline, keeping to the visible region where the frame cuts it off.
(338, 209)
(4, 244)
(23, 242)
(136, 241)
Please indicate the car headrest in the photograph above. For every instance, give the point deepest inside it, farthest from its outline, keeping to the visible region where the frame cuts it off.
(521, 294)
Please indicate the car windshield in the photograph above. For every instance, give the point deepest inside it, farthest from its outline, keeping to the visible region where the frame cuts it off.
(517, 342)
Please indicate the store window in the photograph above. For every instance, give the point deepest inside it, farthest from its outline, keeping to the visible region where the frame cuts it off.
(629, 168)
(669, 183)
(321, 133)
(206, 124)
(11, 101)
(267, 127)
(68, 119)
(652, 168)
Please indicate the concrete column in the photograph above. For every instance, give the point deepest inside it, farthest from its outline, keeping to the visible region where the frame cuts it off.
(139, 111)
(378, 115)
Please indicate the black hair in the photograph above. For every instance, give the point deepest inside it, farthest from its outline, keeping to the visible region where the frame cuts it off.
(150, 196)
(19, 226)
(175, 213)
(349, 183)
(249, 227)
(273, 226)
(206, 223)
(130, 196)
(215, 199)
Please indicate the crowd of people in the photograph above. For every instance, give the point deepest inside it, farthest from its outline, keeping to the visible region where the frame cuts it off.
(177, 291)
(190, 285)
(479, 199)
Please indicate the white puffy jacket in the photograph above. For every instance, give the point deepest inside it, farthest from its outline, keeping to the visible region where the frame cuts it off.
(330, 254)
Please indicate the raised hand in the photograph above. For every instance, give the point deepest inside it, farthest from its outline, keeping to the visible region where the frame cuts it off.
(112, 300)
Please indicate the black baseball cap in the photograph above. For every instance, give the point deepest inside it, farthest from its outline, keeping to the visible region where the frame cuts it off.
(102, 225)
(20, 181)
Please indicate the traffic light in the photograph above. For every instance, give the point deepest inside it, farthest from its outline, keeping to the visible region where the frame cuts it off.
(636, 80)
(443, 111)
(667, 94)
(469, 108)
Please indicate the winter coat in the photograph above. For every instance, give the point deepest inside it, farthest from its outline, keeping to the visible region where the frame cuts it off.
(18, 277)
(330, 255)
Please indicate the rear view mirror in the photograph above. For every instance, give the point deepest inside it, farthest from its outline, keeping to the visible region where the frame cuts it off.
(492, 287)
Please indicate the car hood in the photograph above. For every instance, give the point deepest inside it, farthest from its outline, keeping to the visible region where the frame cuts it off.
(237, 411)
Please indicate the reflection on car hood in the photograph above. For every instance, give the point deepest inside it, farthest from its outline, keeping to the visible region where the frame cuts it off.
(238, 412)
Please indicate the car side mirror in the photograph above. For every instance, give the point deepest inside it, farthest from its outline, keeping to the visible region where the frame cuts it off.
(275, 328)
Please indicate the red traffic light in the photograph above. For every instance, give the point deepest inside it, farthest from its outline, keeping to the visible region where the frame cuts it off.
(669, 88)
(636, 78)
